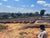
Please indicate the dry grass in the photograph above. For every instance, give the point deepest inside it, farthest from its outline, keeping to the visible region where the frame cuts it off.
(15, 31)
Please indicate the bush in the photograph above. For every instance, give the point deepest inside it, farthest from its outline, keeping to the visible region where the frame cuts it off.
(3, 27)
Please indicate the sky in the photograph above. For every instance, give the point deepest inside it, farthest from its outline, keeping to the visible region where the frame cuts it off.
(24, 6)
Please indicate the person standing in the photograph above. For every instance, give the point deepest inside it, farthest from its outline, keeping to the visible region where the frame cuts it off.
(43, 33)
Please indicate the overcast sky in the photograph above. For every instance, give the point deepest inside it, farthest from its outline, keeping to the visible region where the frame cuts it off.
(24, 5)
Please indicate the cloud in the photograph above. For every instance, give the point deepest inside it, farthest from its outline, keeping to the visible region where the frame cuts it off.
(47, 5)
(32, 5)
(28, 11)
(20, 9)
(8, 6)
(41, 2)
(4, 0)
(23, 5)
(16, 0)
(45, 8)
(0, 3)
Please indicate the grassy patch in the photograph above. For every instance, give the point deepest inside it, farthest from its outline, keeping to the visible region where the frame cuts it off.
(3, 27)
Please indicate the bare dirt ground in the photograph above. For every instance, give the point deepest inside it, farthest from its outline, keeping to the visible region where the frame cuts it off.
(14, 31)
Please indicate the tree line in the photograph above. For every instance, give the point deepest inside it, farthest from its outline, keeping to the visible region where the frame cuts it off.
(21, 15)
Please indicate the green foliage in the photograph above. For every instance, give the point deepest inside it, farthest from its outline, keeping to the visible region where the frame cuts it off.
(22, 15)
(17, 15)
(21, 33)
(37, 13)
(5, 16)
(47, 14)
(42, 12)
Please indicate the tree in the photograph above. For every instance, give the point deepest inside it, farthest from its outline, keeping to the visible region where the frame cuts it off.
(42, 12)
(37, 13)
(30, 14)
(5, 16)
(12, 14)
(47, 14)
(18, 14)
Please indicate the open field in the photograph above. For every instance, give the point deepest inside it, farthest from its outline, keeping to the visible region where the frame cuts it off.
(21, 30)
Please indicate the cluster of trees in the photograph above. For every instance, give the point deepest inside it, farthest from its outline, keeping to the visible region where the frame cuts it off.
(17, 15)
